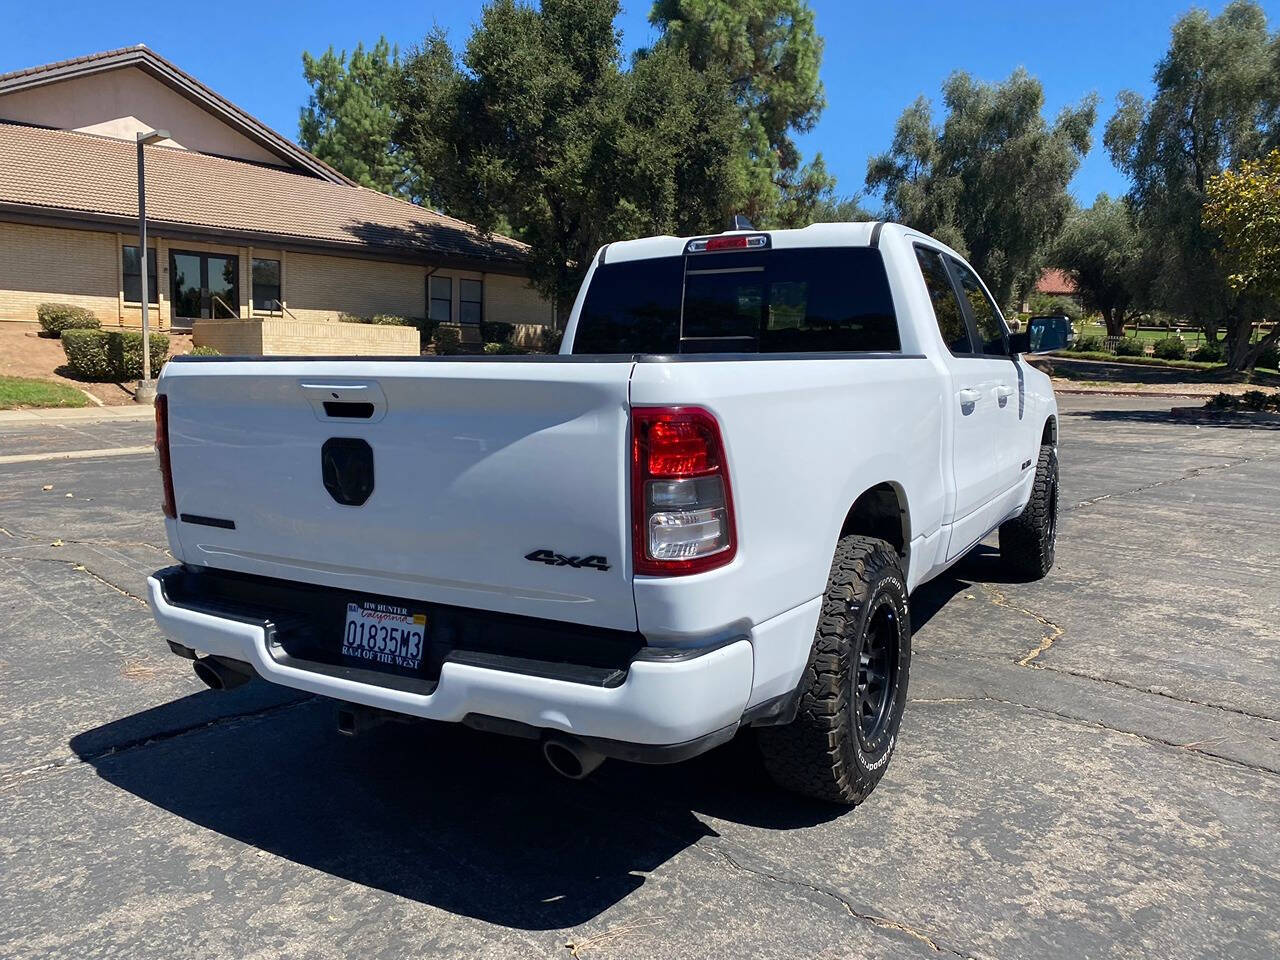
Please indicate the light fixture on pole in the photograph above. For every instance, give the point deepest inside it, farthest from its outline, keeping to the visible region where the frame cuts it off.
(146, 392)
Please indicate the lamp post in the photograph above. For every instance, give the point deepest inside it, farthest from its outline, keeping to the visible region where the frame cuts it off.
(146, 392)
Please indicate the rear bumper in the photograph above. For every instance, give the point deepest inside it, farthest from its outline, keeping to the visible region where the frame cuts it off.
(683, 705)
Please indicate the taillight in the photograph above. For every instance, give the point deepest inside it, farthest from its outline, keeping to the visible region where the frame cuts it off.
(682, 507)
(162, 455)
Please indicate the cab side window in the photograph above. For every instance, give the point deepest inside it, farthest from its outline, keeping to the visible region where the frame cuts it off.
(986, 318)
(946, 307)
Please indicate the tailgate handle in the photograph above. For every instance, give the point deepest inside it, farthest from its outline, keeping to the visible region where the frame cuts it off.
(348, 410)
(339, 399)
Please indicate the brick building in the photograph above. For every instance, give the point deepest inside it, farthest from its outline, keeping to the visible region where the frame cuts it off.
(242, 223)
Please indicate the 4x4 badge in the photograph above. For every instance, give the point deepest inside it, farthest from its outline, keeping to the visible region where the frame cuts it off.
(553, 559)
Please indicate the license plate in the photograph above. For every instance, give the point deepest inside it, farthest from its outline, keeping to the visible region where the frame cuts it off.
(384, 634)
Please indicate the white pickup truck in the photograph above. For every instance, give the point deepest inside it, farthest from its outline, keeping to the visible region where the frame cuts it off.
(707, 513)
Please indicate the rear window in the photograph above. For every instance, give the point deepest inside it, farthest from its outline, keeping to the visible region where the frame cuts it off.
(814, 300)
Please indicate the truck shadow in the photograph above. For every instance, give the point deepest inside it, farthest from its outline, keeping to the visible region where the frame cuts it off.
(981, 565)
(471, 823)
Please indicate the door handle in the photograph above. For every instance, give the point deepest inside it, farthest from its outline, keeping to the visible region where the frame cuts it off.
(968, 396)
(1004, 391)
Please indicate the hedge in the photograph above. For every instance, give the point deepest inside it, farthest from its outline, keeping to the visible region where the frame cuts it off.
(1091, 343)
(112, 356)
(1130, 347)
(1170, 348)
(504, 348)
(494, 331)
(1208, 353)
(56, 317)
(379, 319)
(448, 341)
(203, 351)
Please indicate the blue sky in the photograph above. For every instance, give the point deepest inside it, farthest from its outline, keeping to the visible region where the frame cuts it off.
(878, 57)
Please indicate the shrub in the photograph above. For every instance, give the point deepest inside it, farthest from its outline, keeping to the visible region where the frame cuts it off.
(448, 341)
(112, 356)
(1090, 344)
(1208, 353)
(344, 317)
(1269, 358)
(493, 331)
(503, 348)
(1171, 348)
(1130, 347)
(550, 339)
(389, 320)
(1249, 400)
(1221, 401)
(203, 352)
(56, 317)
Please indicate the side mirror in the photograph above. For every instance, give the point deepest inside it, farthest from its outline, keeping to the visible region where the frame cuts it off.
(1042, 335)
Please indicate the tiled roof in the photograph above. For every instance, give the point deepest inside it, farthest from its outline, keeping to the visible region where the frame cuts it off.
(59, 65)
(1054, 281)
(66, 172)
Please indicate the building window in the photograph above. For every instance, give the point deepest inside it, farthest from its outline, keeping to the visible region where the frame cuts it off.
(133, 275)
(440, 307)
(470, 301)
(266, 284)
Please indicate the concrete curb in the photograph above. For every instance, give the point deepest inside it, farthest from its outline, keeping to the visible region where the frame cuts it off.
(1103, 392)
(77, 414)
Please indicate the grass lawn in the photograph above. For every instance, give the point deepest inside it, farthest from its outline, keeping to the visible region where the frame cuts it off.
(1107, 368)
(25, 392)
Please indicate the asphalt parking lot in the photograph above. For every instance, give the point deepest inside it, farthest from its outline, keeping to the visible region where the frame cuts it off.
(1089, 765)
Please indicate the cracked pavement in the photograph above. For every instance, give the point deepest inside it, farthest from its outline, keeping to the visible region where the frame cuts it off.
(1089, 765)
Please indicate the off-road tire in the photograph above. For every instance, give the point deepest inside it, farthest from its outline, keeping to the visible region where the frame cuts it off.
(823, 753)
(1027, 541)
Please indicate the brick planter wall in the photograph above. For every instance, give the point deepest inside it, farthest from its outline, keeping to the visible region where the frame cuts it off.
(313, 338)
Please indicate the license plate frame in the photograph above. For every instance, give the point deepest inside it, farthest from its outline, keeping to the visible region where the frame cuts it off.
(379, 635)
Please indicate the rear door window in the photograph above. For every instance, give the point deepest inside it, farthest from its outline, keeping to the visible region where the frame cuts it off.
(986, 317)
(813, 300)
(946, 304)
(632, 307)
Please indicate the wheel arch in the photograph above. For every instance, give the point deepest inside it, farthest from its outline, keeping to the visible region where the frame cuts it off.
(881, 511)
(1049, 436)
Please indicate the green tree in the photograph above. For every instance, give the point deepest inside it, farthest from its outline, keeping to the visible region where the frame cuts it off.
(1099, 248)
(538, 126)
(992, 180)
(1215, 105)
(1243, 211)
(349, 120)
(770, 53)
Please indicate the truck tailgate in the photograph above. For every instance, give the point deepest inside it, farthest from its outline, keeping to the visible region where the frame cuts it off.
(478, 466)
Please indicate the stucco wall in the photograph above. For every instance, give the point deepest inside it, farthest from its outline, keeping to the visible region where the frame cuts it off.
(119, 102)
